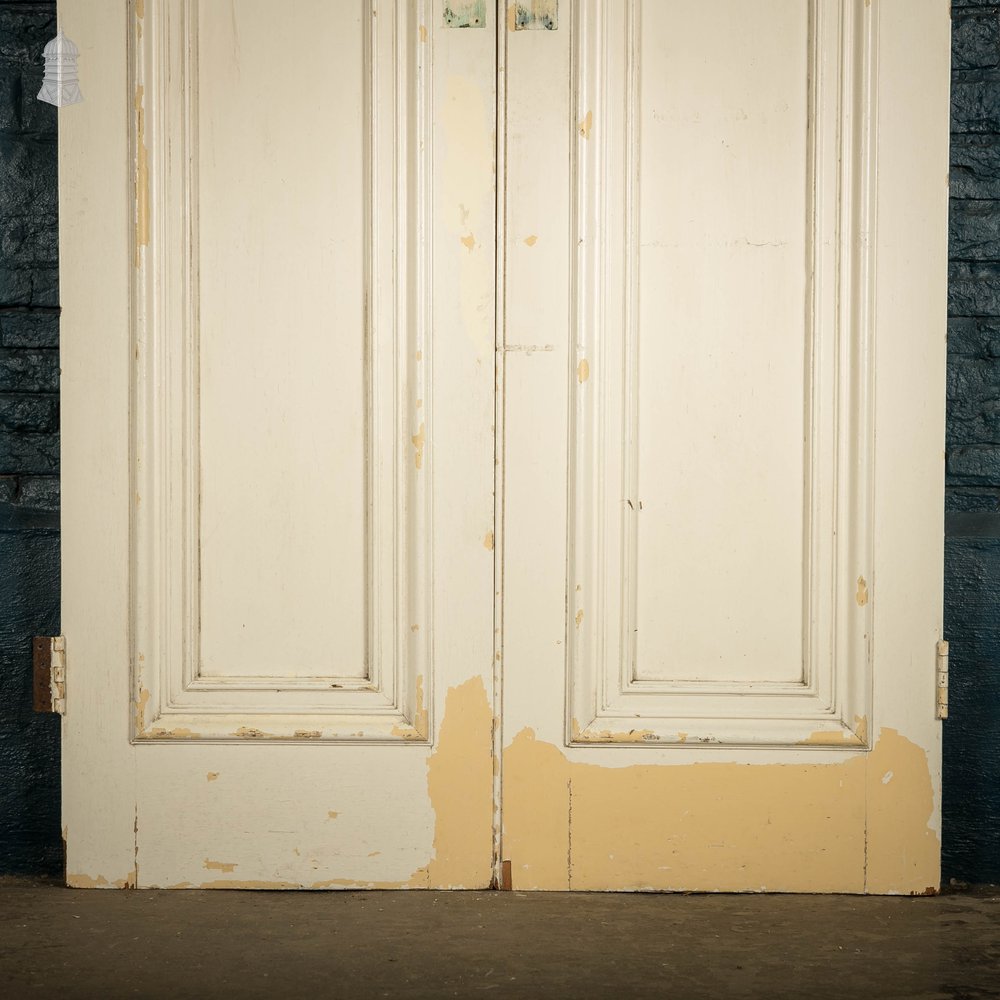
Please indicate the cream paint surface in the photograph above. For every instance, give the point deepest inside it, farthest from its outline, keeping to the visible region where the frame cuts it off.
(802, 827)
(468, 157)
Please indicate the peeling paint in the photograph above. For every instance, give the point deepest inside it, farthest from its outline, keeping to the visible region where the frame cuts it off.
(179, 732)
(140, 710)
(79, 881)
(488, 541)
(862, 595)
(418, 440)
(586, 124)
(212, 776)
(219, 866)
(460, 785)
(583, 371)
(307, 734)
(422, 30)
(812, 827)
(579, 618)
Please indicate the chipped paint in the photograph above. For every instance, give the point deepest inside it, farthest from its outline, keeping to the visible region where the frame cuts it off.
(141, 175)
(249, 733)
(140, 710)
(79, 881)
(212, 776)
(804, 827)
(460, 785)
(862, 594)
(332, 814)
(586, 124)
(418, 440)
(177, 733)
(488, 541)
(530, 240)
(583, 371)
(307, 734)
(608, 736)
(219, 866)
(469, 242)
(140, 9)
(422, 31)
(579, 618)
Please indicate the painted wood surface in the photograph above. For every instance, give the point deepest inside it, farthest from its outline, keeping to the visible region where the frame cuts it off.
(709, 394)
(722, 518)
(281, 464)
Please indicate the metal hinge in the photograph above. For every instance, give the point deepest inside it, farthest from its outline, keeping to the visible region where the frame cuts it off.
(49, 656)
(942, 680)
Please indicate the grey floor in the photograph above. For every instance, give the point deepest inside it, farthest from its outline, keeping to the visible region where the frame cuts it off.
(57, 942)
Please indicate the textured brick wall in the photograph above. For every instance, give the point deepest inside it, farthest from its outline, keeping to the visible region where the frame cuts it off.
(30, 840)
(971, 836)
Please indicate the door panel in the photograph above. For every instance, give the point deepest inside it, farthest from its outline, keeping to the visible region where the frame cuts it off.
(290, 463)
(614, 554)
(718, 664)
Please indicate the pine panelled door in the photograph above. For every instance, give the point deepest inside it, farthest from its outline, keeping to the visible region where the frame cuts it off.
(503, 444)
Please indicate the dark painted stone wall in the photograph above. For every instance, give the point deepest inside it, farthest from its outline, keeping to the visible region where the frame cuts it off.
(30, 841)
(971, 835)
(29, 541)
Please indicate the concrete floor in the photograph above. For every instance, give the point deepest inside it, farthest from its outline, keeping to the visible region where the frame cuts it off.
(101, 944)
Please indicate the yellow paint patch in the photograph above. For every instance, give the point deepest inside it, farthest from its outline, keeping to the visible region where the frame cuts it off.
(422, 30)
(488, 541)
(469, 242)
(460, 784)
(512, 17)
(332, 815)
(219, 866)
(531, 240)
(212, 776)
(140, 8)
(721, 826)
(418, 440)
(862, 594)
(583, 370)
(579, 618)
(586, 124)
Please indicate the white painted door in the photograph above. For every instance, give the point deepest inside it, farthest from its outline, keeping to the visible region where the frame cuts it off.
(724, 300)
(703, 377)
(278, 328)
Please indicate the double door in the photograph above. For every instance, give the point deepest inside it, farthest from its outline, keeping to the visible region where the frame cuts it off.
(503, 446)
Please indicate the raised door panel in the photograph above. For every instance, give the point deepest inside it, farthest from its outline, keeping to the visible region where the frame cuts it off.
(281, 545)
(720, 436)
